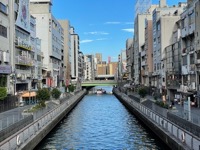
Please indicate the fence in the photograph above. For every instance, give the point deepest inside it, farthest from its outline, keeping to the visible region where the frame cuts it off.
(27, 133)
(167, 126)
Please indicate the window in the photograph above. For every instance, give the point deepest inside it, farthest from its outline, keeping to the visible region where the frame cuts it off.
(3, 8)
(192, 59)
(185, 60)
(3, 31)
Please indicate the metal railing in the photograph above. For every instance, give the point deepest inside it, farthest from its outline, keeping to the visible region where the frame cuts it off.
(10, 120)
(189, 140)
(20, 138)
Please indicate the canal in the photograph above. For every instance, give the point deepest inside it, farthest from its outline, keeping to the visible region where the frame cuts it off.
(100, 122)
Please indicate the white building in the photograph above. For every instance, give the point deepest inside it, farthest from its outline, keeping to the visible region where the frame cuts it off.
(164, 20)
(6, 44)
(74, 54)
(129, 57)
(50, 32)
(89, 67)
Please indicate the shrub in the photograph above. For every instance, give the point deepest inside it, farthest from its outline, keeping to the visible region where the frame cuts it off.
(71, 88)
(162, 104)
(43, 95)
(142, 92)
(55, 93)
(3, 93)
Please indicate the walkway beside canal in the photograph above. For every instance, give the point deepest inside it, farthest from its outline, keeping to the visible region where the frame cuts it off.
(29, 136)
(172, 133)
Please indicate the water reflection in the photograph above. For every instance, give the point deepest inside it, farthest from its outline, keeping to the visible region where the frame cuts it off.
(100, 122)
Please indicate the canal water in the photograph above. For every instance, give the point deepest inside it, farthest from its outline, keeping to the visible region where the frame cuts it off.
(100, 122)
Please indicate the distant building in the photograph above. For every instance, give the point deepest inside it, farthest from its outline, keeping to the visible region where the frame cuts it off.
(101, 69)
(99, 57)
(112, 68)
(89, 67)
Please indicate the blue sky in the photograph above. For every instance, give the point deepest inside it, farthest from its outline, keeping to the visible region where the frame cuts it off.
(102, 25)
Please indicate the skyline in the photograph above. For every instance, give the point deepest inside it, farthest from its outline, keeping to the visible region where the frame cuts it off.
(101, 28)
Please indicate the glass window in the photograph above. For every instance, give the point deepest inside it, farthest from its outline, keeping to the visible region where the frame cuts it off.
(3, 8)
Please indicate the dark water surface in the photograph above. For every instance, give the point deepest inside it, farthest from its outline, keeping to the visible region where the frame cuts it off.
(100, 122)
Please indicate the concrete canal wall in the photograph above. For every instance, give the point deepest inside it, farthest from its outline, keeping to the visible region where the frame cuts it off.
(30, 136)
(170, 133)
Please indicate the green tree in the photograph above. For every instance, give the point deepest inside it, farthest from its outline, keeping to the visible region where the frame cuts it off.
(55, 93)
(43, 95)
(142, 92)
(71, 88)
(3, 93)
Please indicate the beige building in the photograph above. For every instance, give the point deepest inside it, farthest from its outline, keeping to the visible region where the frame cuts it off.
(112, 68)
(146, 55)
(99, 57)
(139, 40)
(164, 21)
(67, 50)
(101, 69)
(129, 58)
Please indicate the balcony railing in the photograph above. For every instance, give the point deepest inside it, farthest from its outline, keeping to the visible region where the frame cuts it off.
(23, 60)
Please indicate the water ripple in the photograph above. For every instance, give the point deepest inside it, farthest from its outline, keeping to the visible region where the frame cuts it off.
(100, 123)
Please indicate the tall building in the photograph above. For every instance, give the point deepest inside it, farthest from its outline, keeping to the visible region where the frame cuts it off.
(50, 32)
(101, 69)
(24, 52)
(99, 57)
(74, 54)
(67, 50)
(7, 45)
(129, 57)
(139, 39)
(112, 68)
(89, 67)
(164, 20)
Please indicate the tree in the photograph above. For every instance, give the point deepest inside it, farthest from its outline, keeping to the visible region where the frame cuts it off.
(3, 93)
(55, 93)
(71, 88)
(43, 95)
(142, 92)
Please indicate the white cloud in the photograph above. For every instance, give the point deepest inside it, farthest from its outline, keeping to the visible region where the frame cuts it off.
(114, 22)
(97, 33)
(101, 39)
(128, 30)
(86, 41)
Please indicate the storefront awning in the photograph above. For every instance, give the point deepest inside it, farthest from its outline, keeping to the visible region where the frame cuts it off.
(29, 94)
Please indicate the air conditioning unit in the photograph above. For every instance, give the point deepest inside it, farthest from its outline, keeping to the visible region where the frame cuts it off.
(19, 75)
(193, 85)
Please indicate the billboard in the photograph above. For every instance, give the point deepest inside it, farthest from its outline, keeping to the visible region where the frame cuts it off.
(23, 16)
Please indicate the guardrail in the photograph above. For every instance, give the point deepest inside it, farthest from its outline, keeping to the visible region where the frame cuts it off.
(27, 133)
(190, 140)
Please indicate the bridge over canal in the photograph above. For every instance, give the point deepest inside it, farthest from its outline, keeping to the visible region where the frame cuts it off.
(98, 83)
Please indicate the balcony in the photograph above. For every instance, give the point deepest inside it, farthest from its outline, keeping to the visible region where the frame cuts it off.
(173, 84)
(143, 53)
(191, 28)
(143, 63)
(19, 71)
(23, 60)
(184, 32)
(21, 43)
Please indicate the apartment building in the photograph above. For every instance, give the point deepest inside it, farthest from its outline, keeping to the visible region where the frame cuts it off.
(24, 53)
(99, 57)
(129, 57)
(67, 50)
(112, 68)
(51, 33)
(101, 69)
(6, 45)
(139, 39)
(89, 67)
(147, 55)
(164, 20)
